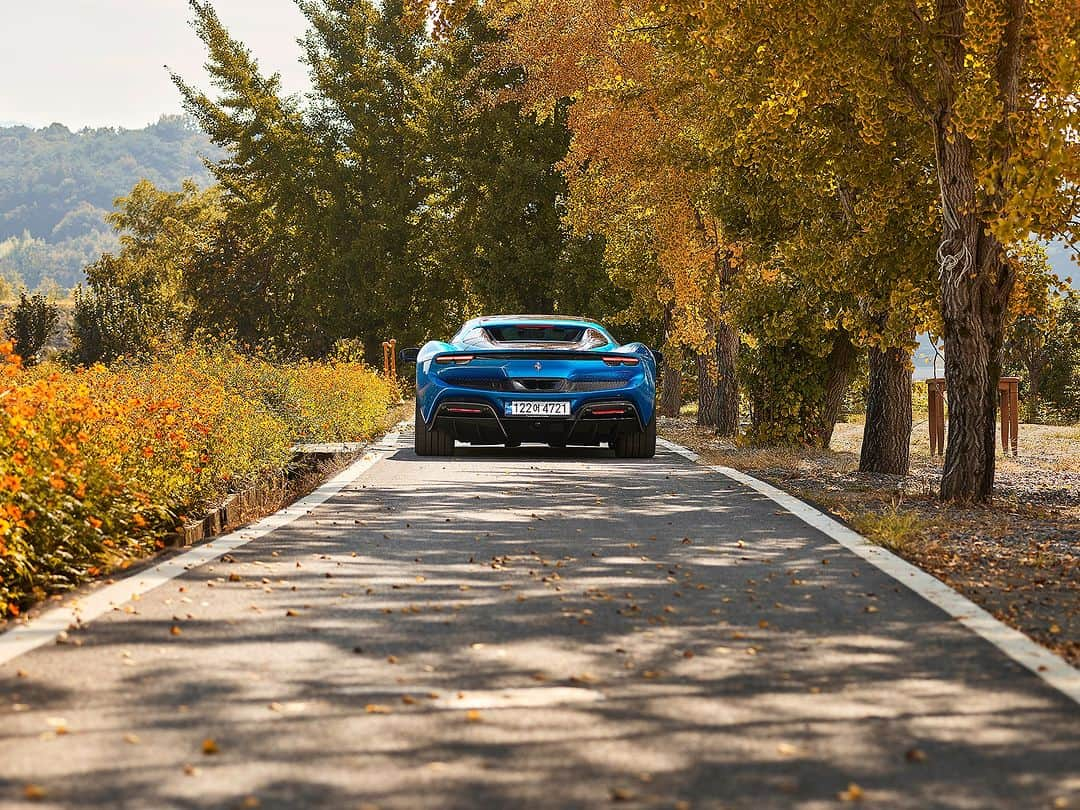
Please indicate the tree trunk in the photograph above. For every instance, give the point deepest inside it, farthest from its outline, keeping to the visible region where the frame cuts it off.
(670, 390)
(886, 446)
(708, 391)
(727, 380)
(670, 394)
(976, 277)
(976, 280)
(841, 366)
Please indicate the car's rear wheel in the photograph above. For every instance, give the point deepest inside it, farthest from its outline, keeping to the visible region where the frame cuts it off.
(433, 442)
(639, 443)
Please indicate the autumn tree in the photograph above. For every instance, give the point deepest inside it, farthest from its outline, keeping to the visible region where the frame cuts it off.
(635, 166)
(993, 84)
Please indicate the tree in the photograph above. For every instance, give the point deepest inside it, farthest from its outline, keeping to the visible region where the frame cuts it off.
(31, 324)
(636, 166)
(1036, 326)
(993, 84)
(397, 198)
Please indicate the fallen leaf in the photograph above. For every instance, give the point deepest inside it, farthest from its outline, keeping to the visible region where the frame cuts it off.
(132, 739)
(250, 801)
(210, 746)
(473, 716)
(621, 794)
(915, 755)
(854, 793)
(175, 630)
(375, 708)
(34, 793)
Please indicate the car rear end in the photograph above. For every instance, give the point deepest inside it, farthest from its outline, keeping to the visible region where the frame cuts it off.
(506, 384)
(551, 397)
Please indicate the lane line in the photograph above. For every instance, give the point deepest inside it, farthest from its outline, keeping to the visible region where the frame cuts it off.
(45, 628)
(1053, 670)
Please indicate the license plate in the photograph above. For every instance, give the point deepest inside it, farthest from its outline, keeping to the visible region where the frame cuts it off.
(560, 408)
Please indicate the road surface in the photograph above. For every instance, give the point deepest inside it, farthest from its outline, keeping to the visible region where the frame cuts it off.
(533, 629)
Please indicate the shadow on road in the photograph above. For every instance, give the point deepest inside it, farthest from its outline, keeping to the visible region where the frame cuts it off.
(536, 628)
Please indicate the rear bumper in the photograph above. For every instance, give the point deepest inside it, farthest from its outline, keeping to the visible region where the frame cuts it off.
(475, 420)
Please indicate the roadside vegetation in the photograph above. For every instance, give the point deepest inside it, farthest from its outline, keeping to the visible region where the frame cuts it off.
(99, 464)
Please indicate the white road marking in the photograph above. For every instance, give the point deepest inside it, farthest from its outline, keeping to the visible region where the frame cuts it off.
(45, 628)
(1048, 666)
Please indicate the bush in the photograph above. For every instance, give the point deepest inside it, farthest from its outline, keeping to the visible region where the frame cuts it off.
(110, 323)
(97, 465)
(31, 323)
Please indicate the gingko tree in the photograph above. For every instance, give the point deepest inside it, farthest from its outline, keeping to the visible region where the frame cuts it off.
(993, 84)
(635, 166)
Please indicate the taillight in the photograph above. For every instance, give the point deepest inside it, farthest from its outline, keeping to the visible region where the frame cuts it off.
(620, 360)
(454, 359)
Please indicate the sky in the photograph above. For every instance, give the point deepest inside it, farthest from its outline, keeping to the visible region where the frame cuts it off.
(101, 62)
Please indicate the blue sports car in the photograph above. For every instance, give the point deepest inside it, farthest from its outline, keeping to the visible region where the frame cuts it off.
(559, 381)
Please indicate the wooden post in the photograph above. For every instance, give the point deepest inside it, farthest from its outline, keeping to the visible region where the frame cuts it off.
(393, 358)
(935, 400)
(1009, 391)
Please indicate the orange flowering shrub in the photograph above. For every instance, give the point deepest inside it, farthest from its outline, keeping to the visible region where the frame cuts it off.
(96, 464)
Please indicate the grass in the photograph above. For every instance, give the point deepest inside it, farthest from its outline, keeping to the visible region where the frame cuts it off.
(893, 528)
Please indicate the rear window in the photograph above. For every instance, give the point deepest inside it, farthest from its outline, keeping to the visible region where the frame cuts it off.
(535, 333)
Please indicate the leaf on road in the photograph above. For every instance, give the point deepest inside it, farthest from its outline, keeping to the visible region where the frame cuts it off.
(854, 793)
(132, 739)
(474, 716)
(915, 755)
(621, 794)
(34, 793)
(290, 612)
(175, 630)
(210, 746)
(377, 708)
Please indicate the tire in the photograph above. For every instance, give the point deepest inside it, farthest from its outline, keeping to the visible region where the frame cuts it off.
(431, 442)
(639, 443)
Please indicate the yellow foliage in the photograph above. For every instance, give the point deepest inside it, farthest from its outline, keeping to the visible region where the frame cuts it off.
(96, 464)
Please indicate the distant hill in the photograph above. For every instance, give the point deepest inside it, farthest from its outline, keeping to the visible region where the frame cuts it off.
(57, 185)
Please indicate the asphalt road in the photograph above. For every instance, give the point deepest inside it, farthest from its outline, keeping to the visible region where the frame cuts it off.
(533, 629)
